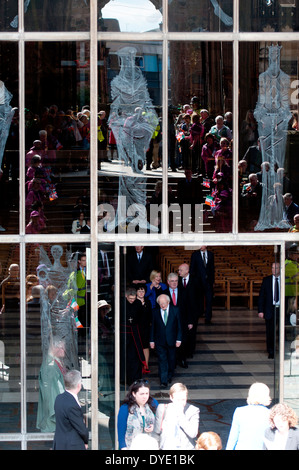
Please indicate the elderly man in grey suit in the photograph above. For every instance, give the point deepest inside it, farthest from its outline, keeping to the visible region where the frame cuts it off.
(165, 337)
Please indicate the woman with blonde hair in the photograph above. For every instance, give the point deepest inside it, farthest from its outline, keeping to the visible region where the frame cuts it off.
(177, 422)
(283, 433)
(251, 421)
(155, 287)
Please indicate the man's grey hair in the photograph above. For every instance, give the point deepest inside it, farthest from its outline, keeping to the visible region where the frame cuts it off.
(172, 276)
(71, 379)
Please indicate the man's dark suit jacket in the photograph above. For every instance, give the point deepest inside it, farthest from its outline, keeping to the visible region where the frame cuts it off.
(291, 211)
(71, 432)
(265, 300)
(186, 302)
(139, 269)
(206, 275)
(166, 335)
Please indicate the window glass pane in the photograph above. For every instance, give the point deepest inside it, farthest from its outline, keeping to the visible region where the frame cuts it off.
(10, 339)
(8, 13)
(129, 137)
(268, 136)
(291, 363)
(129, 16)
(58, 327)
(200, 137)
(106, 317)
(57, 15)
(227, 350)
(203, 15)
(57, 179)
(269, 15)
(10, 445)
(9, 131)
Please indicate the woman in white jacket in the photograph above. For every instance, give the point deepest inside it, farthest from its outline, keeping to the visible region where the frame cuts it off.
(177, 423)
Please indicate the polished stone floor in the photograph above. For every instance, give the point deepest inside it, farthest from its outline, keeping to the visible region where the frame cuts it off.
(230, 357)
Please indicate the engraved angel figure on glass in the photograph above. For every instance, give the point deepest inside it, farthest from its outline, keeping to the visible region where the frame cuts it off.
(6, 115)
(273, 113)
(133, 121)
(57, 314)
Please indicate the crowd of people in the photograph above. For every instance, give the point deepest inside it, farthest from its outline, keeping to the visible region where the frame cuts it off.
(204, 147)
(145, 424)
(163, 316)
(199, 144)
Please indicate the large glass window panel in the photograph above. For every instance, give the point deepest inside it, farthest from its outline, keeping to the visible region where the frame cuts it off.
(200, 15)
(200, 137)
(268, 131)
(10, 339)
(269, 15)
(57, 146)
(57, 15)
(291, 357)
(57, 327)
(129, 137)
(225, 348)
(106, 345)
(129, 16)
(8, 13)
(9, 141)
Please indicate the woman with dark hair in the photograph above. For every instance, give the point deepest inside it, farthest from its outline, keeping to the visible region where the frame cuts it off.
(137, 413)
(144, 318)
(208, 152)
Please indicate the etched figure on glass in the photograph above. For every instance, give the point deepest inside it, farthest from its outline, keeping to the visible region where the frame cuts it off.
(272, 114)
(6, 115)
(133, 121)
(58, 315)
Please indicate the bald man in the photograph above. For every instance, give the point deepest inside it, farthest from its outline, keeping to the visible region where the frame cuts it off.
(188, 306)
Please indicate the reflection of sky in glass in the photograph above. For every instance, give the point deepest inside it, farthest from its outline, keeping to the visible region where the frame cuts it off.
(133, 15)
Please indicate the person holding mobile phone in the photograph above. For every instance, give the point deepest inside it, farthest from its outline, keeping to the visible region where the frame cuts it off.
(137, 414)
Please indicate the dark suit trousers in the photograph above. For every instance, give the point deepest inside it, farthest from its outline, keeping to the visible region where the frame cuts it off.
(206, 295)
(167, 361)
(270, 332)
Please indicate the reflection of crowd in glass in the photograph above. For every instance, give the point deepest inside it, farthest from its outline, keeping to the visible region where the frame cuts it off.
(58, 141)
(199, 144)
(203, 148)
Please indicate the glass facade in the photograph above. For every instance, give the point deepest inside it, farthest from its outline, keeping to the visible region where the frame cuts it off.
(166, 124)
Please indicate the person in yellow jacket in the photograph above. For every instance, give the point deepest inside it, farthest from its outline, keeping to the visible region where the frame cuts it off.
(76, 288)
(292, 284)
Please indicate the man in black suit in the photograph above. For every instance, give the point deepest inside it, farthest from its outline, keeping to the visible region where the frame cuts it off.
(132, 351)
(178, 298)
(71, 432)
(290, 208)
(139, 266)
(165, 336)
(202, 267)
(188, 308)
(268, 305)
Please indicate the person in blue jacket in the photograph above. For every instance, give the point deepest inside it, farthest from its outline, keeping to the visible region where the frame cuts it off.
(137, 413)
(251, 421)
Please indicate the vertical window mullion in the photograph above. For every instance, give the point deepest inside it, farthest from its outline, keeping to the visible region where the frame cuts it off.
(22, 224)
(93, 215)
